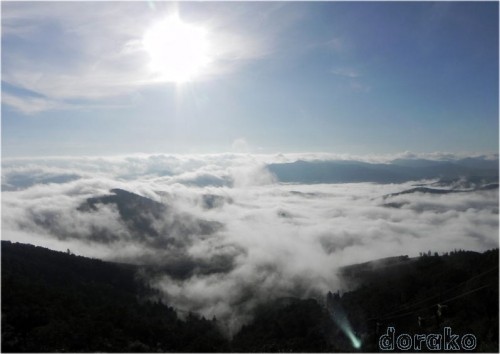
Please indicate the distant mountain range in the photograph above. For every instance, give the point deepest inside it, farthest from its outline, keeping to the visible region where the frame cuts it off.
(17, 181)
(482, 170)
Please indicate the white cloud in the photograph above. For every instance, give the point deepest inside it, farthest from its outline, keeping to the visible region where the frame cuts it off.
(32, 105)
(240, 145)
(276, 239)
(347, 72)
(337, 44)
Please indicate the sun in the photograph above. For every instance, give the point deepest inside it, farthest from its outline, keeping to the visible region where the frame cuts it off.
(179, 51)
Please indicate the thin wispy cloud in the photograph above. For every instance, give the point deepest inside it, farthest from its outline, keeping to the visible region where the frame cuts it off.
(94, 55)
(32, 105)
(337, 44)
(345, 72)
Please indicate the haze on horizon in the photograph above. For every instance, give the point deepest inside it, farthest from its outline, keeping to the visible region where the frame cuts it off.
(108, 78)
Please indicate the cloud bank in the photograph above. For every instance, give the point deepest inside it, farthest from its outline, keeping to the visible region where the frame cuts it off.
(220, 234)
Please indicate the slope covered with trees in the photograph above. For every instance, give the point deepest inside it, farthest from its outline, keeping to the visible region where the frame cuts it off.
(458, 290)
(54, 301)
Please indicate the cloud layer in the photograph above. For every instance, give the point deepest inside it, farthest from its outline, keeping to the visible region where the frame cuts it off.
(228, 235)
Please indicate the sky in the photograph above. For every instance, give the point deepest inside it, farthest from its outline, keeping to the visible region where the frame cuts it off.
(82, 78)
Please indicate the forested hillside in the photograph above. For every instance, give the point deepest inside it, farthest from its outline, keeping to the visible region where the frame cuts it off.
(54, 301)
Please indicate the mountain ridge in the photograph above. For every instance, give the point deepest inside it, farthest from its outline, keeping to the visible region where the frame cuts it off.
(56, 301)
(398, 171)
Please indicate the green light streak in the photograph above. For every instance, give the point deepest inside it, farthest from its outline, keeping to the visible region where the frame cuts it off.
(356, 343)
(343, 323)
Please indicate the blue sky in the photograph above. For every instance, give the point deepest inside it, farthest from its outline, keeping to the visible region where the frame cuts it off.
(338, 77)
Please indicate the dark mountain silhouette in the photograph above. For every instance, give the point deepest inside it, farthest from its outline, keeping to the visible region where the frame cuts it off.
(481, 162)
(427, 190)
(213, 201)
(416, 163)
(465, 183)
(288, 325)
(54, 301)
(182, 266)
(150, 221)
(478, 162)
(398, 171)
(393, 291)
(17, 181)
(458, 289)
(310, 172)
(58, 302)
(207, 180)
(158, 225)
(488, 187)
(135, 210)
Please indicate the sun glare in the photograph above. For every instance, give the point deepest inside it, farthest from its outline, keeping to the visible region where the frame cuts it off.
(179, 51)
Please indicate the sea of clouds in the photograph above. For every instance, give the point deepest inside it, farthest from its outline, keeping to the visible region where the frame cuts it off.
(264, 240)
